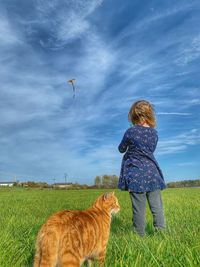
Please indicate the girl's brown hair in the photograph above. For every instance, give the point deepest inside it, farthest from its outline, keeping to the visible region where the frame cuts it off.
(142, 112)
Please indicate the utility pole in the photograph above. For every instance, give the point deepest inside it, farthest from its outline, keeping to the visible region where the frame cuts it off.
(65, 177)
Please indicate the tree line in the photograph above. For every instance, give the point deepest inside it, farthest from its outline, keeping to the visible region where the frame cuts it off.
(106, 181)
(103, 181)
(184, 183)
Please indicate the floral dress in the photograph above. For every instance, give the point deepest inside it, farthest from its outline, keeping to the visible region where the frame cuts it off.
(140, 171)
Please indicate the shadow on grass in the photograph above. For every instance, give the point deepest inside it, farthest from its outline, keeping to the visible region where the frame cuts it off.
(30, 259)
(118, 226)
(149, 229)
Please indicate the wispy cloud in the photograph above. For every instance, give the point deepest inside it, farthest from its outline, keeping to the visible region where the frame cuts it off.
(44, 131)
(70, 21)
(187, 163)
(174, 113)
(179, 143)
(8, 36)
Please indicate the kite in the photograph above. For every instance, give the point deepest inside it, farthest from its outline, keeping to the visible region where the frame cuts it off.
(72, 81)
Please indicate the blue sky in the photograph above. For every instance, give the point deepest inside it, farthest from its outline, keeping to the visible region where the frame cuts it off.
(119, 52)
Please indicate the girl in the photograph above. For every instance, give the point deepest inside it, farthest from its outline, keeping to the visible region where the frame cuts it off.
(140, 173)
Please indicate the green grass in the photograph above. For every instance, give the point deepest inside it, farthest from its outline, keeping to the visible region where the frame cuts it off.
(23, 211)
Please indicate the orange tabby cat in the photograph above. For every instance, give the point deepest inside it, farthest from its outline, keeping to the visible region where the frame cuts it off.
(70, 237)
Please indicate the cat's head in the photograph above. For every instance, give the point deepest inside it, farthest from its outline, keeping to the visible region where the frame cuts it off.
(107, 201)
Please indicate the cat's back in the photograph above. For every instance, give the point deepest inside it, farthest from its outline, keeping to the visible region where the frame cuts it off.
(68, 220)
(76, 230)
(70, 237)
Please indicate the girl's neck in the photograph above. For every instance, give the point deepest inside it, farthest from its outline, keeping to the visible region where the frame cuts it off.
(144, 124)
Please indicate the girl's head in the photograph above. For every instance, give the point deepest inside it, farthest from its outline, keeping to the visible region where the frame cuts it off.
(142, 112)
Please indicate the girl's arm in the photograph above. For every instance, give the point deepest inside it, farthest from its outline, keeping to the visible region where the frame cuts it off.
(124, 143)
(154, 145)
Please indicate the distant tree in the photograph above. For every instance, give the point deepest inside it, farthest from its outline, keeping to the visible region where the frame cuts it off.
(31, 184)
(16, 183)
(184, 183)
(35, 184)
(97, 181)
(114, 181)
(106, 181)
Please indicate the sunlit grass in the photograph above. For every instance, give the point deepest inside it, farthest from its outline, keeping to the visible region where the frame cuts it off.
(23, 211)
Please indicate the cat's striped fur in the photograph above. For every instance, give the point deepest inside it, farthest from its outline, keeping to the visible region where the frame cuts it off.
(70, 237)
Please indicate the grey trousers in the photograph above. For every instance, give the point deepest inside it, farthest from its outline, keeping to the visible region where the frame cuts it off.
(139, 208)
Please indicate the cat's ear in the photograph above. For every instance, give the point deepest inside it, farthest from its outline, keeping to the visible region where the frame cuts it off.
(107, 195)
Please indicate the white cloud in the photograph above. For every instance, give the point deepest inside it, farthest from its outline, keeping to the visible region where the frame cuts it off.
(45, 131)
(69, 20)
(178, 143)
(187, 163)
(190, 52)
(8, 35)
(174, 113)
(156, 18)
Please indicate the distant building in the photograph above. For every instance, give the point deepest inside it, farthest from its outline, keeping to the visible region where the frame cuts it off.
(9, 184)
(62, 185)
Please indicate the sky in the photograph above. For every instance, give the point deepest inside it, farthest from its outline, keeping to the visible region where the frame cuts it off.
(118, 52)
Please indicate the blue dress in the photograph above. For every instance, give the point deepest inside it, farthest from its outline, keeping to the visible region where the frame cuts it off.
(140, 171)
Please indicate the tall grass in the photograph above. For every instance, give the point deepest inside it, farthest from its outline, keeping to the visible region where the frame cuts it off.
(23, 211)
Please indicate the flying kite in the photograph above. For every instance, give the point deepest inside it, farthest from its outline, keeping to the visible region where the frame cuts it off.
(72, 81)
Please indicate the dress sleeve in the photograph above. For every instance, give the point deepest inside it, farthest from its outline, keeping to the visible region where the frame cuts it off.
(124, 143)
(155, 143)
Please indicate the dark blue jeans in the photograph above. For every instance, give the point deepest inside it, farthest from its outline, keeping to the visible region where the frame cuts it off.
(139, 208)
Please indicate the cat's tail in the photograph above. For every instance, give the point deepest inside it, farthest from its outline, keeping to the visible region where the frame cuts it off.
(46, 248)
(38, 253)
(37, 259)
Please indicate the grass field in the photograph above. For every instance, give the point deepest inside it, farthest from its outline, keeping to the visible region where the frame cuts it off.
(23, 211)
